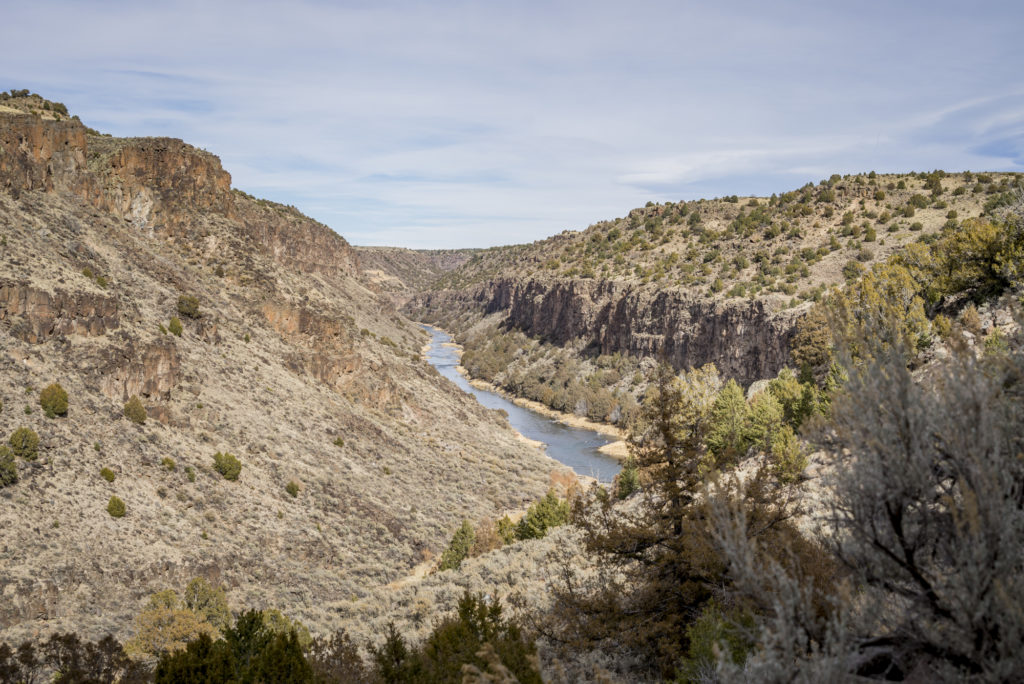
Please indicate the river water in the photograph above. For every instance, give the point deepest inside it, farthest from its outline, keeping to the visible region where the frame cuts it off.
(574, 447)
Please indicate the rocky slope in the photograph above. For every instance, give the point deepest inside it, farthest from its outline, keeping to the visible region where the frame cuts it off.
(720, 281)
(402, 272)
(745, 340)
(293, 364)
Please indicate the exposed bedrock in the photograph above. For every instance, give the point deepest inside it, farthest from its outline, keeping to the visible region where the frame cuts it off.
(746, 340)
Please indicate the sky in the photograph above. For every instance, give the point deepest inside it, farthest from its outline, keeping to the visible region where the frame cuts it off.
(472, 124)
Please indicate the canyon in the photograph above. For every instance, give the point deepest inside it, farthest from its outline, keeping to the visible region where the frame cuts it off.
(293, 361)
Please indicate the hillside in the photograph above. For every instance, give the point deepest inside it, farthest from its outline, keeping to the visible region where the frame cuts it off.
(789, 245)
(567, 320)
(402, 271)
(290, 362)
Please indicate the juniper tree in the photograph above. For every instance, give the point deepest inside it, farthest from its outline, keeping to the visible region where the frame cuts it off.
(458, 548)
(8, 468)
(657, 566)
(728, 433)
(542, 515)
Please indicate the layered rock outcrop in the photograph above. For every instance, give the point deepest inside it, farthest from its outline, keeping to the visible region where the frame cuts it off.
(160, 184)
(36, 315)
(38, 154)
(746, 340)
(146, 370)
(297, 242)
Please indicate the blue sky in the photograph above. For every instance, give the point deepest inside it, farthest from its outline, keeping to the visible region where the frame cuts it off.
(470, 124)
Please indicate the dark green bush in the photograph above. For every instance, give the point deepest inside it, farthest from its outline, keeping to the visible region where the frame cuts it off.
(227, 465)
(135, 411)
(174, 326)
(628, 480)
(115, 507)
(24, 443)
(188, 306)
(476, 645)
(168, 463)
(107, 474)
(54, 401)
(918, 201)
(8, 468)
(292, 488)
(541, 516)
(458, 549)
(249, 652)
(706, 637)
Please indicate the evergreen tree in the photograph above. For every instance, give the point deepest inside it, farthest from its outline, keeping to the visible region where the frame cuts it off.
(788, 457)
(202, 660)
(766, 417)
(282, 661)
(799, 400)
(544, 514)
(394, 661)
(811, 348)
(8, 468)
(628, 480)
(458, 549)
(657, 564)
(208, 603)
(728, 433)
(458, 641)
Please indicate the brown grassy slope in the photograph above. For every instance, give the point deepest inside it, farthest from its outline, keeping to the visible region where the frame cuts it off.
(98, 239)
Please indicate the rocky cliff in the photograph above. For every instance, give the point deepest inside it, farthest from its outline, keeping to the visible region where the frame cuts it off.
(37, 154)
(41, 314)
(161, 185)
(746, 340)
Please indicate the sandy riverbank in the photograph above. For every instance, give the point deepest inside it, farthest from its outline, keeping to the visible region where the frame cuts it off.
(617, 449)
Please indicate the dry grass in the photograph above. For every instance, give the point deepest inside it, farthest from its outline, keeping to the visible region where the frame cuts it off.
(418, 454)
(658, 245)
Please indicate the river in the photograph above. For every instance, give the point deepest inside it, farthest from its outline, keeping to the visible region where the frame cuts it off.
(574, 447)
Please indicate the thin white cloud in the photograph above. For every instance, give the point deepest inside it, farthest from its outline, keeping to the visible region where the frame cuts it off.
(468, 123)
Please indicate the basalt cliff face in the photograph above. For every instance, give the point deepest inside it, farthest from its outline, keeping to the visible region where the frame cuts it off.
(161, 185)
(292, 363)
(36, 154)
(746, 340)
